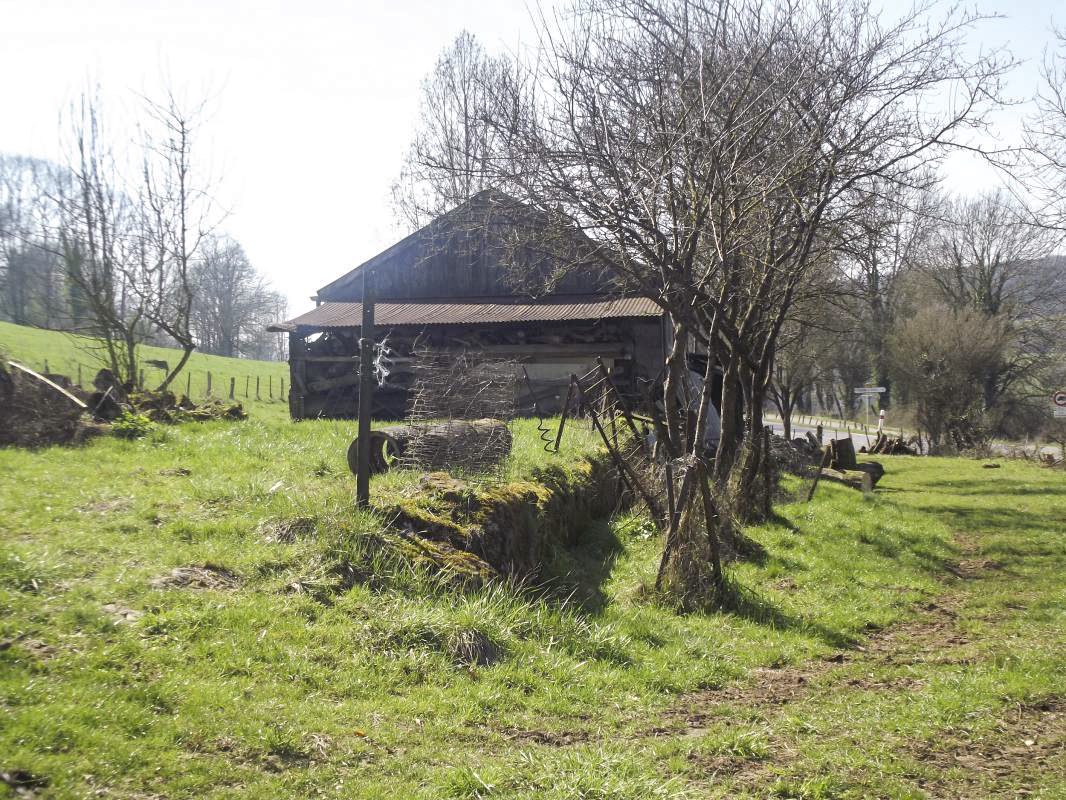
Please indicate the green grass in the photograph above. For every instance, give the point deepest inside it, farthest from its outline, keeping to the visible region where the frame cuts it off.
(263, 691)
(62, 353)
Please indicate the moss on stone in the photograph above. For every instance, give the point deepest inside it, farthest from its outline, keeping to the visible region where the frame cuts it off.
(508, 529)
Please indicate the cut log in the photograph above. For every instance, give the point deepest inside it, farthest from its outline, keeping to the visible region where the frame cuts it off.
(843, 454)
(855, 477)
(458, 444)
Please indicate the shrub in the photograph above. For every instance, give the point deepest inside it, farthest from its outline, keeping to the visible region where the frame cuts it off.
(132, 426)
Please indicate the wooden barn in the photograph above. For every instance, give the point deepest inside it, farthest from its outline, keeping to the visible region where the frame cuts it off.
(482, 279)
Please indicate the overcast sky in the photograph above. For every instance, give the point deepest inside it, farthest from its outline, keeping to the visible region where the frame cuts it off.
(313, 101)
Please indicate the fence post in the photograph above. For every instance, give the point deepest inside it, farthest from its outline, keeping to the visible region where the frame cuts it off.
(281, 394)
(247, 380)
(188, 383)
(256, 387)
(79, 374)
(270, 386)
(232, 382)
(209, 383)
(46, 370)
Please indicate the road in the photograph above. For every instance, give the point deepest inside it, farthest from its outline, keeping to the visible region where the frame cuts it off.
(859, 438)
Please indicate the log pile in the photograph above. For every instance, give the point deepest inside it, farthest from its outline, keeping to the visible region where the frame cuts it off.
(844, 468)
(888, 446)
(167, 408)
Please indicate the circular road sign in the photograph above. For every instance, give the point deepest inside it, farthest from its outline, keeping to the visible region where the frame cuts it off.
(1059, 399)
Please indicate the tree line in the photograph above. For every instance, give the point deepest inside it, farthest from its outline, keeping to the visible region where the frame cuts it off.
(770, 174)
(121, 240)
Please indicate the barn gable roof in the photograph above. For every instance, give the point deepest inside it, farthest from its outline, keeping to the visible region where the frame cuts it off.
(469, 251)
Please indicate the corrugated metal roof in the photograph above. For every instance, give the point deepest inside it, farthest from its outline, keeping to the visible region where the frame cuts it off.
(349, 315)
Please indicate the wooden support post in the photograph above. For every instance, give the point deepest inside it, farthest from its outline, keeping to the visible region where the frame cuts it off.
(566, 411)
(270, 386)
(232, 383)
(209, 383)
(188, 383)
(621, 404)
(827, 456)
(46, 370)
(247, 383)
(366, 392)
(256, 387)
(281, 394)
(79, 374)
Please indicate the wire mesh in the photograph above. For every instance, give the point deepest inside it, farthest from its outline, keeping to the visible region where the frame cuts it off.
(460, 407)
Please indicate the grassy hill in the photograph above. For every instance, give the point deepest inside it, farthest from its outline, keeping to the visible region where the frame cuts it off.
(63, 353)
(911, 644)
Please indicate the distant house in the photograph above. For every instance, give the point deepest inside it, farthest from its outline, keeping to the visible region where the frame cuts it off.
(481, 279)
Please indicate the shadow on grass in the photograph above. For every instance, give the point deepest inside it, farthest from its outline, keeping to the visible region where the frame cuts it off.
(744, 603)
(578, 574)
(1006, 486)
(997, 520)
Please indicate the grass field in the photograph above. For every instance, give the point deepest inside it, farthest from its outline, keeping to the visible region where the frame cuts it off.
(908, 645)
(57, 352)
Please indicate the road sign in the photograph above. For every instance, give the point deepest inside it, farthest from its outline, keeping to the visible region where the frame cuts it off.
(874, 390)
(1059, 411)
(1059, 399)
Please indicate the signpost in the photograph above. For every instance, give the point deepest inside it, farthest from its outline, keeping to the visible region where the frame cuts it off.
(867, 392)
(1058, 404)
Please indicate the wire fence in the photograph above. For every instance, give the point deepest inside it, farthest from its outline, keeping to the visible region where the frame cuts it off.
(194, 382)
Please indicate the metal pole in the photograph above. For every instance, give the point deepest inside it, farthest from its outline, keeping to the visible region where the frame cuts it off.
(366, 393)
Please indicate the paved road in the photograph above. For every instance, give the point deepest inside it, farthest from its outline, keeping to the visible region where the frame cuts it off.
(860, 440)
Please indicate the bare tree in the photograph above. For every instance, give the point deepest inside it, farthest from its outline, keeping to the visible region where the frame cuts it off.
(234, 303)
(886, 239)
(445, 164)
(31, 279)
(801, 360)
(987, 256)
(711, 151)
(99, 242)
(176, 214)
(1045, 140)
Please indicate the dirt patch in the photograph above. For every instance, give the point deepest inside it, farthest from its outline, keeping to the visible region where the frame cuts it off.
(38, 649)
(122, 615)
(547, 738)
(23, 783)
(973, 568)
(205, 576)
(176, 471)
(287, 530)
(1009, 760)
(106, 505)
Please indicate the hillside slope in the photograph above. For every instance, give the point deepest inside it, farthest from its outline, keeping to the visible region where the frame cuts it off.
(63, 353)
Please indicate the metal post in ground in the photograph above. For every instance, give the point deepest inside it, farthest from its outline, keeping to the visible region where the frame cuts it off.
(366, 392)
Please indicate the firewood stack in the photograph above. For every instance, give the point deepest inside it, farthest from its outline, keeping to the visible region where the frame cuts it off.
(887, 446)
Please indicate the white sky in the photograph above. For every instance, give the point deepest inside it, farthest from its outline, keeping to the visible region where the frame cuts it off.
(314, 101)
